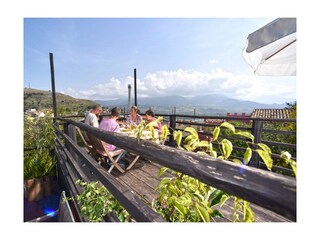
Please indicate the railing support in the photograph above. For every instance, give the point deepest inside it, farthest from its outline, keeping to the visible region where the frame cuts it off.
(172, 128)
(256, 132)
(53, 87)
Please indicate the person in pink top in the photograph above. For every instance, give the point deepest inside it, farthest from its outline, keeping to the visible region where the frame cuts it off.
(111, 125)
(150, 116)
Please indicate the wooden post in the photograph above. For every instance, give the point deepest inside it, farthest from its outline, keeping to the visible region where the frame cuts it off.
(172, 127)
(72, 134)
(256, 132)
(53, 88)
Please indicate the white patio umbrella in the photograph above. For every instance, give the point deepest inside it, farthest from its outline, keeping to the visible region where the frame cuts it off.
(271, 50)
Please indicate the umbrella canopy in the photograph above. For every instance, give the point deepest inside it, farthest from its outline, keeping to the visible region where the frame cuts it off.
(271, 50)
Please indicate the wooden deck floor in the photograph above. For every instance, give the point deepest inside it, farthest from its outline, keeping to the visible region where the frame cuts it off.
(143, 178)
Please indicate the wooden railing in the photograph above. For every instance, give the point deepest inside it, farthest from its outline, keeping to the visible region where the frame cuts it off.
(256, 126)
(270, 190)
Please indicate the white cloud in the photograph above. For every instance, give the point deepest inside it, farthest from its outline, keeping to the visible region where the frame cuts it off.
(182, 82)
(213, 61)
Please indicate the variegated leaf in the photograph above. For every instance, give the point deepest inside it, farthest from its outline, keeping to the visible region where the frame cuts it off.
(247, 155)
(266, 157)
(264, 147)
(226, 148)
(216, 133)
(245, 134)
(229, 126)
(192, 131)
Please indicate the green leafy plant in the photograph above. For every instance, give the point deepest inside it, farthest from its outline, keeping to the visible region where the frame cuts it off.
(96, 202)
(38, 163)
(143, 126)
(38, 131)
(183, 198)
(38, 137)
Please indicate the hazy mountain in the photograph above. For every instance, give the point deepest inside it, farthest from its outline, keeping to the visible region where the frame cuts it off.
(213, 103)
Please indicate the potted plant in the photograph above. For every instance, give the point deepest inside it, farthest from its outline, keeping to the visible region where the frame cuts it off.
(39, 169)
(39, 164)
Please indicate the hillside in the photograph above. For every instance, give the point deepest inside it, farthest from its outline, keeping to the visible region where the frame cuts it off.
(40, 99)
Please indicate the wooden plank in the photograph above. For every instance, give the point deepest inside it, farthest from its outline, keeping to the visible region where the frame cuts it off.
(264, 215)
(140, 188)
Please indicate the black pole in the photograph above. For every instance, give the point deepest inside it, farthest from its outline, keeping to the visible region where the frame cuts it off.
(53, 88)
(135, 88)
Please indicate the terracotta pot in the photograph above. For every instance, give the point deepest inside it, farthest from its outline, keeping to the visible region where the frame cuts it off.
(34, 189)
(25, 188)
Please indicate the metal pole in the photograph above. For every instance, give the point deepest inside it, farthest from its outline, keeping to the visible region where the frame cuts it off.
(53, 88)
(135, 87)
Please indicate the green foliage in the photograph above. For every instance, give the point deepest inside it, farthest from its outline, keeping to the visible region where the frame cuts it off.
(265, 154)
(177, 135)
(287, 158)
(185, 199)
(38, 163)
(283, 138)
(38, 131)
(226, 148)
(143, 126)
(96, 202)
(244, 206)
(247, 155)
(38, 135)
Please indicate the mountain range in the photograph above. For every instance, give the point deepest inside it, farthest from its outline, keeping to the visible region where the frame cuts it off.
(213, 104)
(204, 104)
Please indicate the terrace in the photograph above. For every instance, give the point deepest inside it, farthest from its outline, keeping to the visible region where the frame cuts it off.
(272, 193)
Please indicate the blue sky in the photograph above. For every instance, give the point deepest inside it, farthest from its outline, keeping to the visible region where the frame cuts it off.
(95, 58)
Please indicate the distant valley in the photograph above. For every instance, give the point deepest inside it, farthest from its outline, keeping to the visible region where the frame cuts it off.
(201, 105)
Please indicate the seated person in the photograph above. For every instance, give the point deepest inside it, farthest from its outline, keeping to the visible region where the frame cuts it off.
(111, 125)
(150, 116)
(93, 115)
(121, 121)
(134, 117)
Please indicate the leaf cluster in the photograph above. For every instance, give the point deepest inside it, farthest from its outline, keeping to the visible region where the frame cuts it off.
(38, 163)
(38, 135)
(96, 202)
(183, 198)
(156, 136)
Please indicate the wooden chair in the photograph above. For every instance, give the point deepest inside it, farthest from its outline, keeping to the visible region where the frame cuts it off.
(114, 156)
(95, 148)
(85, 140)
